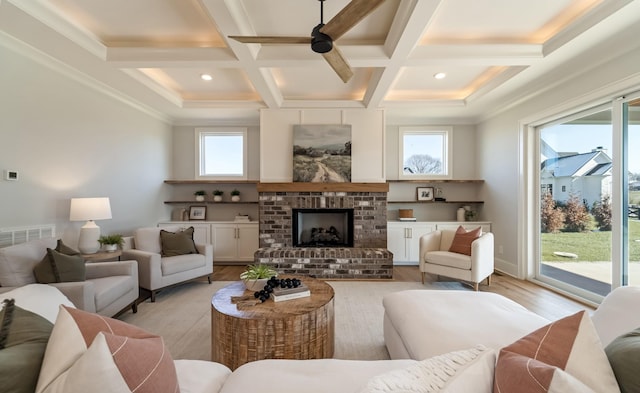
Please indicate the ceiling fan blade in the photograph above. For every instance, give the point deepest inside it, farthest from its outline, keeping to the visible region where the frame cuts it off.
(271, 39)
(349, 16)
(338, 63)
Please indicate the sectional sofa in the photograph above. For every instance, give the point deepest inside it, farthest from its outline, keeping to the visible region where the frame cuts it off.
(462, 348)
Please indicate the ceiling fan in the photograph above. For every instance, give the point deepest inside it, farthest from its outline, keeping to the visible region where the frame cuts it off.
(323, 36)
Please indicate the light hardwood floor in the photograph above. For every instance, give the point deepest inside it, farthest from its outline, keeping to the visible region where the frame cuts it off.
(540, 300)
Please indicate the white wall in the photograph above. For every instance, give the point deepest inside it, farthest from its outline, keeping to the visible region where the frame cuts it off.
(68, 140)
(500, 145)
(367, 135)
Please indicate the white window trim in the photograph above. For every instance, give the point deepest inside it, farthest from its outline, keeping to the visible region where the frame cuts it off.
(447, 131)
(221, 131)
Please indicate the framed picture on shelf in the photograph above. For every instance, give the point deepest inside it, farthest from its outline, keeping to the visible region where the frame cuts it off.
(197, 212)
(425, 193)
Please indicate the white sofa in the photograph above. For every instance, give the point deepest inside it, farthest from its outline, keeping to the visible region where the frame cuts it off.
(333, 375)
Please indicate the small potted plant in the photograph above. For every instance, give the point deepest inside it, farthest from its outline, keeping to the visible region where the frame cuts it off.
(111, 243)
(200, 195)
(235, 195)
(217, 195)
(255, 277)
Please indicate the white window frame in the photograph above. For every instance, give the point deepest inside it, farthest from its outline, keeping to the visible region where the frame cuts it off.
(446, 132)
(200, 134)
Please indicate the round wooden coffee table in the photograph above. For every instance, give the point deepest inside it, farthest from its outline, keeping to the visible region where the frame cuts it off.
(293, 329)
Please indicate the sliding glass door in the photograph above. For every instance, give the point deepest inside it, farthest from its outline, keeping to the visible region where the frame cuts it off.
(575, 173)
(588, 199)
(631, 136)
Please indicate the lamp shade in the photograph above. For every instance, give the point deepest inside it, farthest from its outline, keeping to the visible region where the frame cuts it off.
(89, 209)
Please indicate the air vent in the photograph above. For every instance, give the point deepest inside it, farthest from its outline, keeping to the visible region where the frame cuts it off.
(11, 236)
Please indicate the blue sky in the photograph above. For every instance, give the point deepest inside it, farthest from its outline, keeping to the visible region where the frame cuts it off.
(583, 138)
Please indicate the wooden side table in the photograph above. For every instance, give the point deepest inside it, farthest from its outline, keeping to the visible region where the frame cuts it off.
(103, 256)
(293, 329)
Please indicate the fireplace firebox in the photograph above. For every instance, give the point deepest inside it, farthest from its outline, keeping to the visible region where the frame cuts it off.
(322, 227)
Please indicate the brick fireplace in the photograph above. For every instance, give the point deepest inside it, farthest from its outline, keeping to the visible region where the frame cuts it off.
(368, 258)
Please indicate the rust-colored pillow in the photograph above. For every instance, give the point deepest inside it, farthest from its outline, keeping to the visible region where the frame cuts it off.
(462, 240)
(563, 356)
(91, 353)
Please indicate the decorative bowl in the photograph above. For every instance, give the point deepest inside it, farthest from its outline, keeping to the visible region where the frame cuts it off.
(255, 285)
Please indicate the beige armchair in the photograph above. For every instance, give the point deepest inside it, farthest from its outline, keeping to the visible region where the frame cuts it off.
(435, 257)
(109, 287)
(156, 271)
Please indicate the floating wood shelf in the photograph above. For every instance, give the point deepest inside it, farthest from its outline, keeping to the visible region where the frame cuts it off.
(323, 187)
(193, 202)
(435, 181)
(428, 202)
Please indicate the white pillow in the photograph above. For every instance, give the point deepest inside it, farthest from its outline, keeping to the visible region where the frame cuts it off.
(463, 371)
(41, 299)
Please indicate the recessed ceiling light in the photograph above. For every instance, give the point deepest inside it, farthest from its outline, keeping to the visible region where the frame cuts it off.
(206, 77)
(440, 75)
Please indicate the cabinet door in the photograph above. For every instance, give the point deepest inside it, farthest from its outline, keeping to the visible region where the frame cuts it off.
(397, 242)
(415, 233)
(247, 241)
(225, 242)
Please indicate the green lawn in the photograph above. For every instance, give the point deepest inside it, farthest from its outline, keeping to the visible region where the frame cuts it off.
(589, 246)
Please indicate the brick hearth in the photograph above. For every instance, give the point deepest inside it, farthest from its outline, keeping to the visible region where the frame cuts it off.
(369, 258)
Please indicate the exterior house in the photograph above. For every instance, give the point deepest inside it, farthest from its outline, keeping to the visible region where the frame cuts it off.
(586, 175)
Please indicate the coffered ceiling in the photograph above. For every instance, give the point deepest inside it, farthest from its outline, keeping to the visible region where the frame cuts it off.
(155, 51)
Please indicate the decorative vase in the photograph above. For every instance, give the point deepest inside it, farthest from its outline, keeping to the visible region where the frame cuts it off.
(460, 214)
(110, 247)
(235, 198)
(217, 198)
(199, 198)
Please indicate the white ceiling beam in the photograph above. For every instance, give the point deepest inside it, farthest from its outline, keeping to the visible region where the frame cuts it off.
(231, 18)
(150, 57)
(406, 31)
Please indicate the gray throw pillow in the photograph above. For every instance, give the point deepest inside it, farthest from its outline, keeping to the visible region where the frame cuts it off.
(177, 243)
(59, 267)
(23, 340)
(624, 356)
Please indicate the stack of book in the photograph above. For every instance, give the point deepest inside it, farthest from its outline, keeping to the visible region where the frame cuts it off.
(242, 218)
(282, 294)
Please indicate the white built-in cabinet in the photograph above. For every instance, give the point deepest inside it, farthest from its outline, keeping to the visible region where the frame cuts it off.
(403, 237)
(234, 241)
(231, 241)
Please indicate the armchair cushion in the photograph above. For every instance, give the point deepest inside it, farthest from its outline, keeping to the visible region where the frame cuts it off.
(462, 240)
(451, 259)
(59, 267)
(177, 243)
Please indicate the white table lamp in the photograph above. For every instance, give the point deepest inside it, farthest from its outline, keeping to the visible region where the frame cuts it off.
(89, 209)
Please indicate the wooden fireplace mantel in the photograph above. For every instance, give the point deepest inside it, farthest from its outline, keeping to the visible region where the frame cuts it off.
(323, 187)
